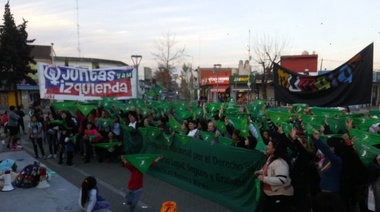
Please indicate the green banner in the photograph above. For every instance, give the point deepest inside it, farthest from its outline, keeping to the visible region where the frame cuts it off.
(217, 172)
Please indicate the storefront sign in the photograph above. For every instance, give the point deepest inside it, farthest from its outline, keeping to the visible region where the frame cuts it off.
(242, 79)
(215, 80)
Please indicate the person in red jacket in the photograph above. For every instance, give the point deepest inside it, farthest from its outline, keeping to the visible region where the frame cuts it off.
(135, 184)
(4, 118)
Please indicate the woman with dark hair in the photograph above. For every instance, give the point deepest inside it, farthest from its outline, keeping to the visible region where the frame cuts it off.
(89, 198)
(193, 129)
(274, 174)
(238, 140)
(331, 167)
(110, 153)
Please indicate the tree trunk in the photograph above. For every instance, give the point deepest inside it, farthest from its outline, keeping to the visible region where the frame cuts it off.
(264, 90)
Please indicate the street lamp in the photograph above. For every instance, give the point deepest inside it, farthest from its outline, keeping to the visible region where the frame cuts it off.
(136, 59)
(216, 69)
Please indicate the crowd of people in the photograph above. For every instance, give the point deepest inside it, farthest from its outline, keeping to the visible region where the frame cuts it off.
(303, 172)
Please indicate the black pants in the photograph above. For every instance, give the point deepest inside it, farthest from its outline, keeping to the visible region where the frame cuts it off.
(88, 148)
(35, 142)
(52, 142)
(278, 203)
(70, 156)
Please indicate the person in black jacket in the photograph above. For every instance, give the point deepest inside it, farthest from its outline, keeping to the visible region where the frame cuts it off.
(238, 141)
(21, 124)
(65, 142)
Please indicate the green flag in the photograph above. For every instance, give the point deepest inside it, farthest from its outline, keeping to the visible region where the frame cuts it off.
(174, 124)
(107, 102)
(366, 137)
(153, 132)
(56, 122)
(207, 136)
(106, 145)
(74, 138)
(157, 89)
(326, 112)
(364, 123)
(127, 129)
(374, 113)
(317, 120)
(168, 139)
(143, 132)
(337, 124)
(213, 106)
(225, 141)
(94, 137)
(221, 126)
(278, 117)
(183, 138)
(299, 108)
(310, 128)
(240, 124)
(85, 109)
(150, 94)
(260, 142)
(145, 112)
(286, 127)
(104, 122)
(65, 106)
(142, 162)
(183, 114)
(365, 151)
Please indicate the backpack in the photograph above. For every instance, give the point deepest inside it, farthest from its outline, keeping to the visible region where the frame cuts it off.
(29, 176)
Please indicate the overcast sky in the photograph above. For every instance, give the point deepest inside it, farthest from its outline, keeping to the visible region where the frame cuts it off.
(212, 31)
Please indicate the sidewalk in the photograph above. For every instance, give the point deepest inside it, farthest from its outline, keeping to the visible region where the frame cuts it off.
(60, 196)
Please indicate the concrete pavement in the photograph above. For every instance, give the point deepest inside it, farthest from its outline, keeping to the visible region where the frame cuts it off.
(60, 196)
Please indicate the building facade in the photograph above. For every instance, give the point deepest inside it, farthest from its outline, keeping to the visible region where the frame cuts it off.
(305, 63)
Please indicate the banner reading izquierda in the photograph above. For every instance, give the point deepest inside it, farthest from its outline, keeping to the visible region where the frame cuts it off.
(68, 83)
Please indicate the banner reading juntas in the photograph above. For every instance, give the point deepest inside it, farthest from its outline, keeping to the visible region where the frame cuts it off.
(349, 84)
(68, 83)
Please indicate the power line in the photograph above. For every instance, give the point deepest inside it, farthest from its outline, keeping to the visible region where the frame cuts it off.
(78, 35)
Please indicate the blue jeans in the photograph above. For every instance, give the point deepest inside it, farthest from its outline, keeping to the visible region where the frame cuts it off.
(132, 197)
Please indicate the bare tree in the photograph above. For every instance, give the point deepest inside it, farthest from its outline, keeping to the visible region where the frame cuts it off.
(186, 78)
(266, 51)
(162, 77)
(167, 55)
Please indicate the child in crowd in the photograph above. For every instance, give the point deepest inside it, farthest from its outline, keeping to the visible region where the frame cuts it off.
(17, 144)
(89, 198)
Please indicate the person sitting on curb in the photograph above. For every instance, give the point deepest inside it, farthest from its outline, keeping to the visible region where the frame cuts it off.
(89, 198)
